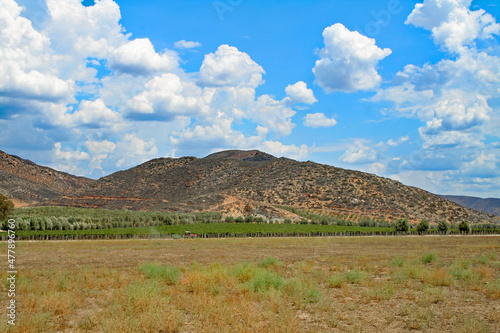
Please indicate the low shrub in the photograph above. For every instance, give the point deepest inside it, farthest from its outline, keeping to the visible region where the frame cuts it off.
(428, 258)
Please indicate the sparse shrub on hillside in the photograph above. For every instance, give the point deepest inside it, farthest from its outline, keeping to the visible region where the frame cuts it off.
(423, 226)
(402, 225)
(287, 221)
(464, 227)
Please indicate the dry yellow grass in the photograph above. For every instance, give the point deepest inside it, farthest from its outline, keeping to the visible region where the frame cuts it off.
(366, 284)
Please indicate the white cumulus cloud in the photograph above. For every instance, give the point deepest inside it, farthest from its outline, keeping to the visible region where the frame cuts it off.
(318, 120)
(165, 97)
(452, 23)
(299, 93)
(28, 68)
(359, 153)
(348, 61)
(138, 57)
(230, 67)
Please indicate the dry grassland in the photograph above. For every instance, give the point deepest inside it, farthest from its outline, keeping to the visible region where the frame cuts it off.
(365, 284)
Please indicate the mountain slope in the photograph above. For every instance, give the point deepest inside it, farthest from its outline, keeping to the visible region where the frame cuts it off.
(488, 205)
(26, 182)
(252, 182)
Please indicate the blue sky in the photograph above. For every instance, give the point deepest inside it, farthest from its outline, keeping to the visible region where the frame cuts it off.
(404, 89)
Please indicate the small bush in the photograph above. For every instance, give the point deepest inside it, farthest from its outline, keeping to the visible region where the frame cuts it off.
(301, 292)
(336, 281)
(259, 219)
(428, 258)
(423, 226)
(444, 227)
(402, 225)
(265, 280)
(6, 207)
(239, 219)
(229, 219)
(244, 272)
(464, 227)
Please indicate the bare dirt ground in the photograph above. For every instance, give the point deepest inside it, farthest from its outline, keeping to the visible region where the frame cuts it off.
(365, 284)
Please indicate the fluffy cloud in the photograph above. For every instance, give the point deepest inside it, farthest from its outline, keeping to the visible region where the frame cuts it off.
(395, 143)
(27, 66)
(85, 31)
(230, 67)
(165, 97)
(278, 149)
(138, 57)
(183, 44)
(273, 115)
(359, 153)
(132, 149)
(453, 96)
(99, 150)
(68, 160)
(318, 120)
(299, 93)
(452, 23)
(348, 61)
(91, 114)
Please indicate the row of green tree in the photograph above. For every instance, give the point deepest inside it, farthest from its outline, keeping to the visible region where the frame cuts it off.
(403, 225)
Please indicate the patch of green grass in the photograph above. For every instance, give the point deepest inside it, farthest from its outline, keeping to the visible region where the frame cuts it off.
(301, 291)
(268, 262)
(166, 273)
(355, 276)
(427, 258)
(336, 280)
(397, 262)
(265, 280)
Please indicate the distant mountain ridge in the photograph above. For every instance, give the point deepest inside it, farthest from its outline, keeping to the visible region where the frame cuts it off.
(488, 205)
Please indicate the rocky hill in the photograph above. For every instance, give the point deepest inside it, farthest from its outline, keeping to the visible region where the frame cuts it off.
(252, 182)
(25, 182)
(488, 205)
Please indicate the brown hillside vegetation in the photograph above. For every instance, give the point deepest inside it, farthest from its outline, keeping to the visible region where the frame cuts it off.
(27, 182)
(252, 182)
